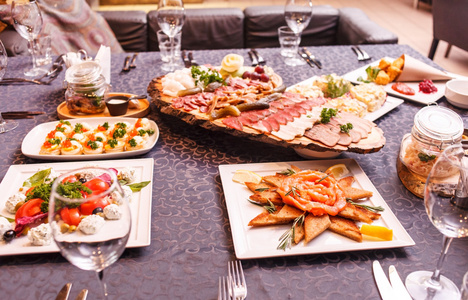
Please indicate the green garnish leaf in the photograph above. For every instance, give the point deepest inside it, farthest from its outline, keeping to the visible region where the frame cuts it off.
(336, 87)
(150, 131)
(132, 143)
(288, 237)
(136, 187)
(345, 128)
(206, 77)
(112, 143)
(288, 172)
(323, 178)
(8, 219)
(425, 157)
(38, 178)
(72, 190)
(372, 73)
(261, 189)
(65, 122)
(92, 144)
(119, 132)
(78, 128)
(105, 125)
(293, 191)
(368, 207)
(327, 114)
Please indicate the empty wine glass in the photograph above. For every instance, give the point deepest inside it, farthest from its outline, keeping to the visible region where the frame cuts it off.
(90, 218)
(297, 14)
(171, 17)
(4, 124)
(27, 20)
(446, 201)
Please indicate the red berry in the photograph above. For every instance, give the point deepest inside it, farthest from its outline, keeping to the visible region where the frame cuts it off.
(259, 69)
(264, 77)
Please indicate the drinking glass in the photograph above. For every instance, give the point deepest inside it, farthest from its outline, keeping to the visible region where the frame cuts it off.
(297, 14)
(27, 20)
(88, 233)
(446, 202)
(171, 17)
(4, 124)
(464, 287)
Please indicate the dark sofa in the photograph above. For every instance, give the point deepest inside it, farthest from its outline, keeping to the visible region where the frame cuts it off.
(226, 28)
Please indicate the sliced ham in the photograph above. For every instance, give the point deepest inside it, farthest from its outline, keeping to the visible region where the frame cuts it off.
(323, 133)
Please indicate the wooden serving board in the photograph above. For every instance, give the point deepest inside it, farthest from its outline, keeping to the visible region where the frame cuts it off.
(373, 143)
(142, 111)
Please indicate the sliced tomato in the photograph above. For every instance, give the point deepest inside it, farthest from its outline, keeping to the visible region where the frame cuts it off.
(29, 190)
(71, 216)
(29, 208)
(97, 185)
(71, 178)
(88, 207)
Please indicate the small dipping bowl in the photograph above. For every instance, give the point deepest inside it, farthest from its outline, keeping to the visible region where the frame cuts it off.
(456, 92)
(117, 105)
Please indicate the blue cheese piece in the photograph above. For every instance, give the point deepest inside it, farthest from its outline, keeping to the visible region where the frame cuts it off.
(40, 235)
(127, 175)
(118, 199)
(11, 202)
(112, 212)
(91, 224)
(4, 226)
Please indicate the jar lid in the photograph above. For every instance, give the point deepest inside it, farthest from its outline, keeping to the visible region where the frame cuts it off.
(83, 73)
(439, 123)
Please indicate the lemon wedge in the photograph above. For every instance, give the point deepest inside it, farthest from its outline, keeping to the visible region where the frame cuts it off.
(242, 176)
(377, 231)
(337, 171)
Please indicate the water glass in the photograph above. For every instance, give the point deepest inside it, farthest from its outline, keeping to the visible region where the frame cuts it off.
(464, 287)
(42, 51)
(165, 46)
(289, 41)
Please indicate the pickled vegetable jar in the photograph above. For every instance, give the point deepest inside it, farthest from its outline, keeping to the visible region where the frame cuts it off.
(433, 130)
(86, 88)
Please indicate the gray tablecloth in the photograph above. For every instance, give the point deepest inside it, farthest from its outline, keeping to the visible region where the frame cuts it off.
(191, 240)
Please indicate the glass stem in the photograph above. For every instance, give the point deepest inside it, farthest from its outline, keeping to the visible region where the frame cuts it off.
(171, 61)
(435, 278)
(100, 275)
(32, 48)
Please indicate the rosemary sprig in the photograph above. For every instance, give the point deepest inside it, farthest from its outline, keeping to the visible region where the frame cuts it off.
(368, 207)
(287, 237)
(323, 178)
(269, 208)
(288, 172)
(293, 191)
(261, 189)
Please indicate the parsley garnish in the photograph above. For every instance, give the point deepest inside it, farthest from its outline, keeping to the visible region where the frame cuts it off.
(119, 132)
(92, 144)
(105, 125)
(121, 125)
(336, 88)
(78, 128)
(112, 143)
(327, 114)
(72, 190)
(54, 141)
(150, 131)
(425, 157)
(205, 77)
(345, 128)
(99, 139)
(60, 128)
(141, 132)
(132, 143)
(65, 122)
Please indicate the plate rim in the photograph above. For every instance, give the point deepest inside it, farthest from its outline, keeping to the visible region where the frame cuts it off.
(142, 231)
(241, 248)
(29, 138)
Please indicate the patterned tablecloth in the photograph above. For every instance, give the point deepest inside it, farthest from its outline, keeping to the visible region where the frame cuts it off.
(191, 239)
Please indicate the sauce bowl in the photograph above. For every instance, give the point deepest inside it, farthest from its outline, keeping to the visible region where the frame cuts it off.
(456, 92)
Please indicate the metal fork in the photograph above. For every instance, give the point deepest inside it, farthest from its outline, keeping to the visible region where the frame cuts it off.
(260, 59)
(361, 54)
(223, 289)
(253, 58)
(237, 280)
(364, 53)
(192, 60)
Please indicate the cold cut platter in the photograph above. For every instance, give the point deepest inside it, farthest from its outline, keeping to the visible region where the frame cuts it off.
(253, 103)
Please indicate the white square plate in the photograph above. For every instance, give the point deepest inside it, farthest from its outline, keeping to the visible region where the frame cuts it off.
(389, 104)
(262, 242)
(33, 141)
(140, 206)
(417, 97)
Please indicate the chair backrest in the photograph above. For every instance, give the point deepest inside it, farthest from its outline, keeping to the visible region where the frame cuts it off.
(262, 22)
(450, 21)
(206, 28)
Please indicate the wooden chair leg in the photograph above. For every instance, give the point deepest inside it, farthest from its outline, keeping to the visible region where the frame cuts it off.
(447, 52)
(435, 43)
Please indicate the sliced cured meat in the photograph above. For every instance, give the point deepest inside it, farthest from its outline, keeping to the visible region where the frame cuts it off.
(233, 122)
(275, 126)
(345, 139)
(324, 134)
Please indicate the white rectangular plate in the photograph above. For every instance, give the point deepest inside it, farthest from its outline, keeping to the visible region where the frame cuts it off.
(417, 97)
(262, 242)
(140, 206)
(33, 141)
(389, 104)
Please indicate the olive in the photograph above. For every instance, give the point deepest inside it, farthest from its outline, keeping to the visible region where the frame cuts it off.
(9, 235)
(97, 210)
(83, 180)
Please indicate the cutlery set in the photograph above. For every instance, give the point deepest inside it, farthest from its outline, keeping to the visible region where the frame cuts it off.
(256, 58)
(309, 58)
(45, 79)
(65, 292)
(130, 63)
(234, 285)
(188, 59)
(389, 290)
(20, 114)
(361, 54)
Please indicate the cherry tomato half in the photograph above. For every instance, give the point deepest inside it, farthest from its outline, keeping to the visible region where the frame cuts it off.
(97, 185)
(71, 178)
(29, 208)
(71, 216)
(88, 207)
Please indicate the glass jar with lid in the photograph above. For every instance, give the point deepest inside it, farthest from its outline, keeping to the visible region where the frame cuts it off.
(86, 88)
(433, 130)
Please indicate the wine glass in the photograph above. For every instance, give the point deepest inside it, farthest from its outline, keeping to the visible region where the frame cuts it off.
(297, 14)
(90, 218)
(4, 124)
(27, 20)
(446, 201)
(171, 17)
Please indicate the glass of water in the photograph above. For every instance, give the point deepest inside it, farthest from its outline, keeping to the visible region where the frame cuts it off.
(297, 14)
(165, 46)
(289, 42)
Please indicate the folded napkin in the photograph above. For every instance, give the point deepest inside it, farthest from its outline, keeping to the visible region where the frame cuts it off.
(416, 70)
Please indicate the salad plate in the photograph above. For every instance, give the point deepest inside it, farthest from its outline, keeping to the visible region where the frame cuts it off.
(262, 242)
(32, 142)
(140, 205)
(390, 104)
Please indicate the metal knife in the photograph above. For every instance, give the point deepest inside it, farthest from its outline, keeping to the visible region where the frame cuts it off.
(186, 60)
(64, 292)
(253, 58)
(385, 289)
(192, 60)
(82, 295)
(132, 63)
(312, 58)
(126, 66)
(306, 58)
(399, 289)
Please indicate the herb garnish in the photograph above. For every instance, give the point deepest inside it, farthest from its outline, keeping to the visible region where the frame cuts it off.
(105, 125)
(141, 132)
(78, 128)
(92, 144)
(65, 122)
(73, 190)
(368, 207)
(270, 208)
(150, 131)
(293, 191)
(336, 88)
(60, 128)
(288, 172)
(119, 133)
(287, 237)
(38, 178)
(345, 128)
(327, 114)
(425, 157)
(132, 143)
(205, 77)
(112, 143)
(372, 73)
(121, 125)
(323, 178)
(261, 189)
(54, 141)
(136, 187)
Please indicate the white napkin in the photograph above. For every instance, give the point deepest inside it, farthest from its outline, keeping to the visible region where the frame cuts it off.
(103, 58)
(72, 58)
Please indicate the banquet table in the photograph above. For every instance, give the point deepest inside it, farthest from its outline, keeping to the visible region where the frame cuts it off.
(191, 239)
